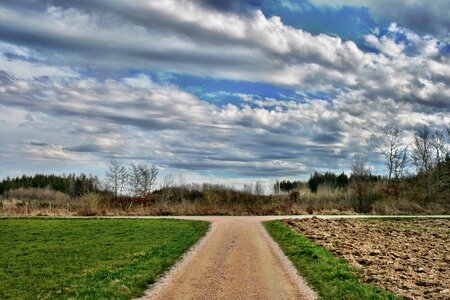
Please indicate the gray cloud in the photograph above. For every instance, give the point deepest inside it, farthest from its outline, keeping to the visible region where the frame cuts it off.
(112, 119)
(80, 118)
(39, 144)
(111, 101)
(85, 148)
(328, 138)
(178, 38)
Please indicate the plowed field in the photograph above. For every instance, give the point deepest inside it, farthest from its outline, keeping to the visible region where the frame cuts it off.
(408, 257)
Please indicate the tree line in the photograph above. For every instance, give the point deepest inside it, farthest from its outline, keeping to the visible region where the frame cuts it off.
(72, 184)
(417, 172)
(285, 186)
(428, 154)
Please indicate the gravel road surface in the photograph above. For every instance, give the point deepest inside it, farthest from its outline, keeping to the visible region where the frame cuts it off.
(236, 260)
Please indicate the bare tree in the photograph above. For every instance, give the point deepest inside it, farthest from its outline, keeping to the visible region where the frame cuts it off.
(168, 182)
(167, 187)
(359, 165)
(359, 178)
(134, 179)
(141, 179)
(447, 149)
(438, 142)
(259, 188)
(394, 152)
(248, 188)
(276, 187)
(422, 153)
(422, 150)
(148, 175)
(182, 179)
(116, 177)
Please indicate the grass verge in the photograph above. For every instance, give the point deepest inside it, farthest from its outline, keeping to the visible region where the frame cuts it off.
(89, 258)
(331, 277)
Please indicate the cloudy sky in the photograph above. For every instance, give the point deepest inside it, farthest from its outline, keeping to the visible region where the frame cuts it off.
(223, 91)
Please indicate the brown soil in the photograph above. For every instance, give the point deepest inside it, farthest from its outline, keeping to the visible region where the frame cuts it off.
(236, 260)
(408, 257)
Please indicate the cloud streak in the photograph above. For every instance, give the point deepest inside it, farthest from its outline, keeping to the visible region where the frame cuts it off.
(65, 73)
(183, 37)
(180, 131)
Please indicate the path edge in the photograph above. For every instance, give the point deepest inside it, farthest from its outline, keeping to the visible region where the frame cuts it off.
(302, 285)
(157, 288)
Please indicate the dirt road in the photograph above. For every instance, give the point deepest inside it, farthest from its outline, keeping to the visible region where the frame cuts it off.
(236, 260)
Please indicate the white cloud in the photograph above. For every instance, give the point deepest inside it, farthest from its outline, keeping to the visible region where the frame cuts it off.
(385, 45)
(21, 67)
(113, 116)
(141, 81)
(184, 37)
(163, 124)
(27, 70)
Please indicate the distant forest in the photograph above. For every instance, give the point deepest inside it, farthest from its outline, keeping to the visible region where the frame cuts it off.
(329, 179)
(72, 185)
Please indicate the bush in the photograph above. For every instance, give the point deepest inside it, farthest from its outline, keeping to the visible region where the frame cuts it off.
(46, 194)
(90, 201)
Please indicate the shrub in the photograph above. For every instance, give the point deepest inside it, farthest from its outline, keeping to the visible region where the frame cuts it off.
(90, 201)
(46, 194)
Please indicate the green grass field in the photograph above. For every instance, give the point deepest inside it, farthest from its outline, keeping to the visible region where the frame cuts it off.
(331, 277)
(89, 258)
